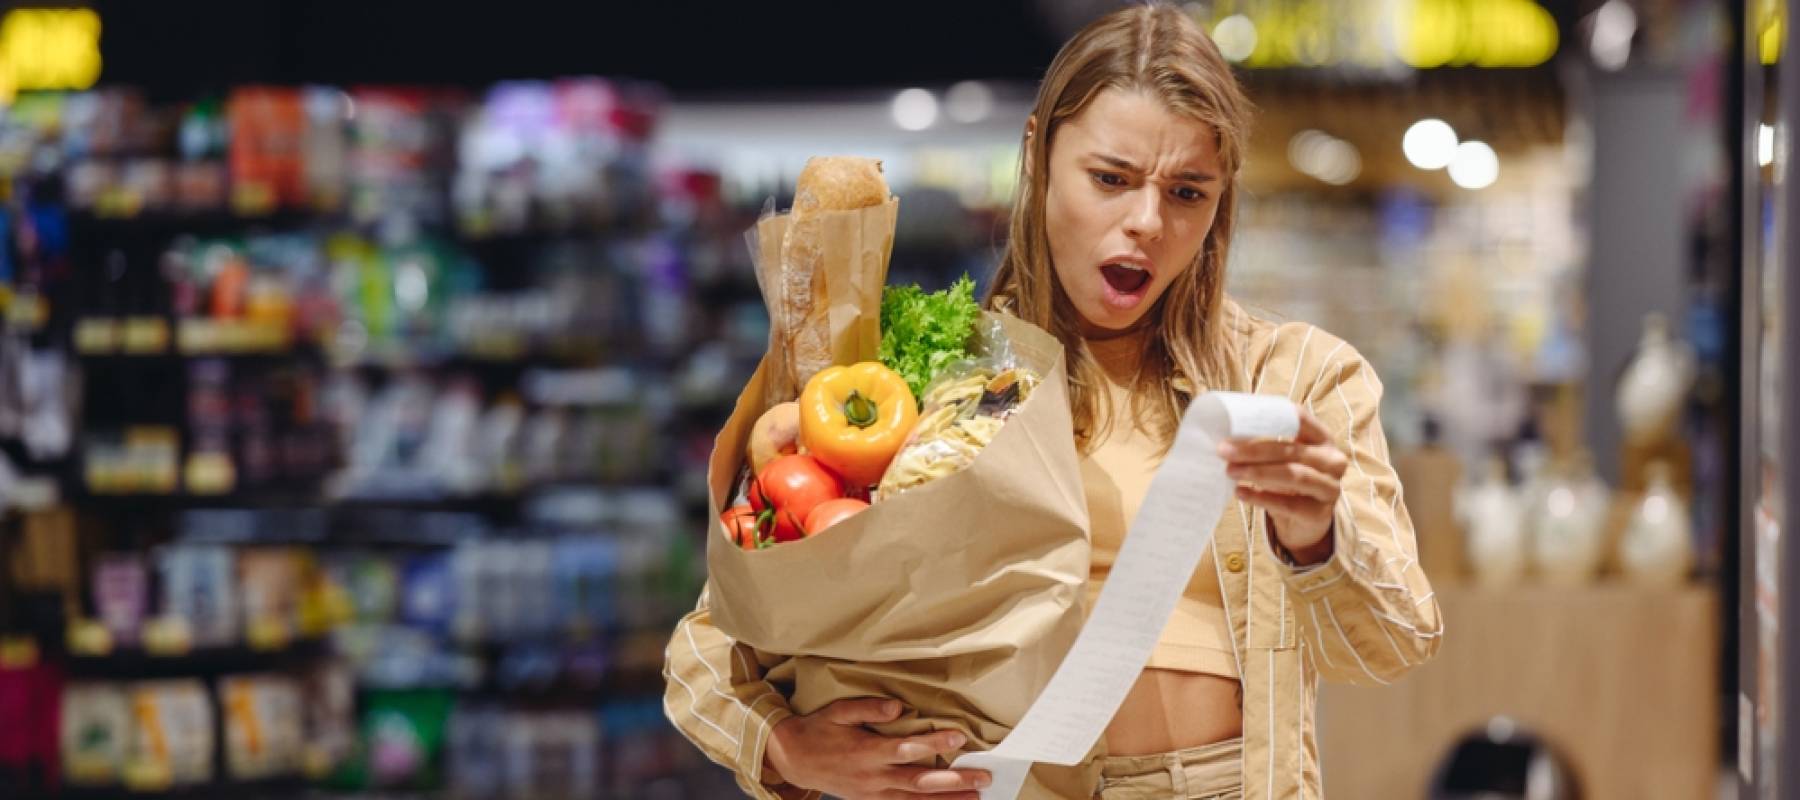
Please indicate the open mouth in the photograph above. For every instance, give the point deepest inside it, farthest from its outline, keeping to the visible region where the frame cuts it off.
(1125, 278)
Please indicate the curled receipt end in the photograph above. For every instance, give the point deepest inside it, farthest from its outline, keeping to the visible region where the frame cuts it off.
(1158, 557)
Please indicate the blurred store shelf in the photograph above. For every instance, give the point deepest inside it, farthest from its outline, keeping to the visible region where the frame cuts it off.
(198, 662)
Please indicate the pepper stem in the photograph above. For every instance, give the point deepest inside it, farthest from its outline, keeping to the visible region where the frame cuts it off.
(859, 410)
(765, 525)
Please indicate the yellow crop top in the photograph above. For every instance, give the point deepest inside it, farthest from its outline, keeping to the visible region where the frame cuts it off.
(1116, 475)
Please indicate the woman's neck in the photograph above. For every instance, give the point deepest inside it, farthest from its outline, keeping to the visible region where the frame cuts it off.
(1119, 353)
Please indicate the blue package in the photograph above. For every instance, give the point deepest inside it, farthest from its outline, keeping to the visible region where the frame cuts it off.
(586, 567)
(428, 596)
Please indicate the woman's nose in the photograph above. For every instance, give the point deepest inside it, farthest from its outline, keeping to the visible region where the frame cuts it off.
(1144, 222)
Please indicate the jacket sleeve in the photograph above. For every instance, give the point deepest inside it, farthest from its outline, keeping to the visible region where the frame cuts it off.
(1367, 612)
(716, 695)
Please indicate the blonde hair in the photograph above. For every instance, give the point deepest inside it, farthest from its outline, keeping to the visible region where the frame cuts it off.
(1159, 50)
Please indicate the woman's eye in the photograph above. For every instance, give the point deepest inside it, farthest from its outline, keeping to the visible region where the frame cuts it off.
(1109, 179)
(1190, 194)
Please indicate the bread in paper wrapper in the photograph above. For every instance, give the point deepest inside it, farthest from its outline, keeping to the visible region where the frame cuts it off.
(958, 597)
(821, 268)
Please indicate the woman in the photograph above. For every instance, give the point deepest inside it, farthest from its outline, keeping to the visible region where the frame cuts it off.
(1118, 246)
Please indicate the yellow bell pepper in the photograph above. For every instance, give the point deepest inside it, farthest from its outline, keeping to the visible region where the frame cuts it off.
(854, 419)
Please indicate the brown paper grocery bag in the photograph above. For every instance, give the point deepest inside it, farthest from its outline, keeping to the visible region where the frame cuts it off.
(959, 597)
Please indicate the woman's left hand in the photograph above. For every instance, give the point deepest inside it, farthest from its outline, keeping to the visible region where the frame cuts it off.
(1297, 482)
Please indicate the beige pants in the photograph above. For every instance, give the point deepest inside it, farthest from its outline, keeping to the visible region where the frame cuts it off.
(1210, 772)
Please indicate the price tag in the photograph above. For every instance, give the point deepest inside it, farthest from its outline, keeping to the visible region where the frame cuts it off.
(210, 473)
(168, 636)
(96, 335)
(145, 335)
(18, 652)
(317, 763)
(89, 638)
(269, 633)
(27, 310)
(197, 335)
(266, 337)
(146, 775)
(90, 768)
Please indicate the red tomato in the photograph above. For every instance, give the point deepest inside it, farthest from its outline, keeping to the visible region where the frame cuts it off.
(741, 524)
(831, 512)
(791, 486)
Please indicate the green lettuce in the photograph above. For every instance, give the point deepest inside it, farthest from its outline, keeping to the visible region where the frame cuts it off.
(923, 332)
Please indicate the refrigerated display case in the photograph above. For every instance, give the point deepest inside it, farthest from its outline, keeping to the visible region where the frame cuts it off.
(1768, 709)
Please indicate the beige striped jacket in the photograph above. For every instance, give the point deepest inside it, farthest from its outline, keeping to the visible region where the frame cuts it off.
(1365, 616)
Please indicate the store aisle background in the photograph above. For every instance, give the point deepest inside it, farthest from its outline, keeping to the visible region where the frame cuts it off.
(360, 363)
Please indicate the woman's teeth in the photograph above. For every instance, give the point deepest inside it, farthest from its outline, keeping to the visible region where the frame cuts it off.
(1125, 278)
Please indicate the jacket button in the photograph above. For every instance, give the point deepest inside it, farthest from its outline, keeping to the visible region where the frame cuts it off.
(1234, 562)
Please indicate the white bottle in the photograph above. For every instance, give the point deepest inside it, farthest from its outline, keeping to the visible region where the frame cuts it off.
(1654, 384)
(1658, 547)
(1568, 535)
(1494, 519)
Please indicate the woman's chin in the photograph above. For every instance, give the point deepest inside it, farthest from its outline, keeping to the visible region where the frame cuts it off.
(1104, 320)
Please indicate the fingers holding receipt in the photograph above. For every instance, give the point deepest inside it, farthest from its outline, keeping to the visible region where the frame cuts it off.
(1189, 493)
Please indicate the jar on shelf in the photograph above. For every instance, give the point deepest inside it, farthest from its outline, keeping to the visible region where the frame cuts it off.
(1653, 386)
(1658, 546)
(1494, 518)
(1568, 538)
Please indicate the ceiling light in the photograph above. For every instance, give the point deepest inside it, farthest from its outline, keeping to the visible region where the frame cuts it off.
(1429, 144)
(1236, 37)
(915, 109)
(1475, 167)
(969, 101)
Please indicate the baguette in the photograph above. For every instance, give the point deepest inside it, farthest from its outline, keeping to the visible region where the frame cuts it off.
(827, 184)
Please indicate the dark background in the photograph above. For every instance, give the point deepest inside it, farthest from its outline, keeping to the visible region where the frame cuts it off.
(177, 48)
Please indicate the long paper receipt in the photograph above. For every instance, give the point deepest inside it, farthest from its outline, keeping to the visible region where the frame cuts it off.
(1173, 528)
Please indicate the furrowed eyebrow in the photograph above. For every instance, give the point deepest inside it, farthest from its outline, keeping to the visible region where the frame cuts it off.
(1117, 162)
(1186, 175)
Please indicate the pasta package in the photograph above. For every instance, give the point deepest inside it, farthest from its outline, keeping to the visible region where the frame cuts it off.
(96, 732)
(172, 740)
(964, 408)
(263, 716)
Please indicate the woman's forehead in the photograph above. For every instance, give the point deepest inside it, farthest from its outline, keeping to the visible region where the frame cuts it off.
(1141, 128)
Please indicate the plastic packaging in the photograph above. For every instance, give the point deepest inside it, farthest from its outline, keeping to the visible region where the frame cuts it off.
(263, 725)
(96, 733)
(964, 408)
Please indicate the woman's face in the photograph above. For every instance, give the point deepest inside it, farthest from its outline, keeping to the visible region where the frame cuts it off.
(1133, 189)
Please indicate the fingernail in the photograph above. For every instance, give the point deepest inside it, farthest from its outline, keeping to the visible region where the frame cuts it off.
(890, 707)
(913, 752)
(957, 739)
(982, 781)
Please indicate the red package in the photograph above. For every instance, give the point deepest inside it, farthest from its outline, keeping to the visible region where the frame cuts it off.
(31, 704)
(268, 125)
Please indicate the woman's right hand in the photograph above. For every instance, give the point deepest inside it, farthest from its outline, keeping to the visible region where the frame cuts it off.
(830, 751)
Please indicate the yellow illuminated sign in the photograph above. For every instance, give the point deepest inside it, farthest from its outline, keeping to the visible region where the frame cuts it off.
(48, 48)
(1423, 34)
(1769, 20)
(1481, 33)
